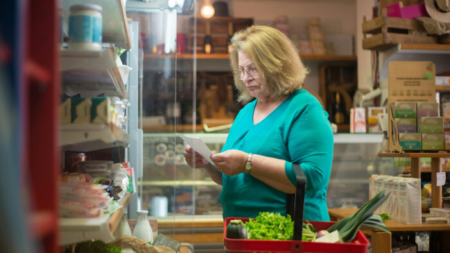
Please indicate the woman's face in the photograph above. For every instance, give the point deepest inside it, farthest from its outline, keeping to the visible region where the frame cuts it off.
(250, 77)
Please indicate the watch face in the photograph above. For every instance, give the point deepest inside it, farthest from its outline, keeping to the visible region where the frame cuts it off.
(248, 167)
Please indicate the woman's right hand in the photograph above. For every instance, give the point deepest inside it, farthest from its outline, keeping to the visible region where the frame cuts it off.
(194, 159)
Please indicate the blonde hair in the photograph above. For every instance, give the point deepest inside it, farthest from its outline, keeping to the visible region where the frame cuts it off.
(275, 57)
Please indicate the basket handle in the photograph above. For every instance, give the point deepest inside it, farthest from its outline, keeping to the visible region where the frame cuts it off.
(295, 202)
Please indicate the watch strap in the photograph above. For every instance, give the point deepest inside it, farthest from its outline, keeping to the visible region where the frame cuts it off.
(248, 165)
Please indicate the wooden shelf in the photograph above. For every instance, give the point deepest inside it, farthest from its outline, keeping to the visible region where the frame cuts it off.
(117, 215)
(424, 169)
(171, 128)
(415, 155)
(391, 224)
(227, 57)
(424, 46)
(442, 88)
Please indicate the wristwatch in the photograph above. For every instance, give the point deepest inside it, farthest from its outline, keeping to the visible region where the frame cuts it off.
(248, 165)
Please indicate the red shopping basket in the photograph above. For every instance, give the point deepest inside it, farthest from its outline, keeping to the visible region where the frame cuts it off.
(294, 207)
(359, 245)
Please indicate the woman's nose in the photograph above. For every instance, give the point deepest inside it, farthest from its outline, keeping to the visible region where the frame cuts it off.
(246, 77)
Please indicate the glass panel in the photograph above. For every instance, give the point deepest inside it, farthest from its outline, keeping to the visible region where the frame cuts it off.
(167, 186)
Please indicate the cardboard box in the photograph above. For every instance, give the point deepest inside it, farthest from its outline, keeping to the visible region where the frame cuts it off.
(447, 140)
(358, 120)
(81, 110)
(427, 110)
(431, 125)
(65, 111)
(406, 125)
(411, 141)
(433, 142)
(405, 110)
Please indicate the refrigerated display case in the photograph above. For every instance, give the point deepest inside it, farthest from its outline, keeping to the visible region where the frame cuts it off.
(354, 161)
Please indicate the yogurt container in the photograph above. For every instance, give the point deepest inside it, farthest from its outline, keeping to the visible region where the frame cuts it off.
(85, 27)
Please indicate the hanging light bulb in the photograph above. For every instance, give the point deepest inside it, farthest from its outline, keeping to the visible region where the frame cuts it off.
(207, 10)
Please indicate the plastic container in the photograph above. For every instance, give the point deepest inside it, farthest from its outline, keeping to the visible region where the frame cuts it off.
(143, 230)
(85, 27)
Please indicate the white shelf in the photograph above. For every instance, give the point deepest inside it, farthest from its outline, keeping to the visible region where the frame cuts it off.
(73, 230)
(338, 138)
(90, 137)
(178, 183)
(115, 24)
(91, 73)
(358, 138)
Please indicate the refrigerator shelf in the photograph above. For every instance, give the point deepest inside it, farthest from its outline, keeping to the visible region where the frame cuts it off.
(115, 24)
(74, 230)
(91, 73)
(90, 137)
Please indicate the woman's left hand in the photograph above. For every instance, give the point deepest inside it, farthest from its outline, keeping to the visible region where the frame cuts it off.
(230, 162)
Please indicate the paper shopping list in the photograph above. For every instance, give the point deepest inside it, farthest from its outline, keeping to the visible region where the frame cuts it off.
(198, 145)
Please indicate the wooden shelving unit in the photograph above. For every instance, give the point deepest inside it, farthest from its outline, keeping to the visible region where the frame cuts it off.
(442, 88)
(227, 57)
(436, 199)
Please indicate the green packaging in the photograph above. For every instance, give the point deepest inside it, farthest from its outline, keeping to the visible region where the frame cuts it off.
(433, 142)
(410, 141)
(65, 113)
(431, 125)
(81, 110)
(100, 110)
(405, 110)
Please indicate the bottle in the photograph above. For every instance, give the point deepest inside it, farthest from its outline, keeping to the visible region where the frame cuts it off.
(207, 43)
(123, 228)
(230, 35)
(143, 230)
(338, 111)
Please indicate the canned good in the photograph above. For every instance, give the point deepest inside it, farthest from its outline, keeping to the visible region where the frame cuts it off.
(76, 159)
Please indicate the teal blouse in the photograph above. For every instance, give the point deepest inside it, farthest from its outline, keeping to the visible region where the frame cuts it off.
(297, 131)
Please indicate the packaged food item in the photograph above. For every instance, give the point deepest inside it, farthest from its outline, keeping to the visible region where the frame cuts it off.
(427, 109)
(433, 142)
(357, 120)
(75, 177)
(101, 110)
(85, 27)
(431, 125)
(65, 111)
(81, 110)
(76, 158)
(410, 141)
(94, 166)
(406, 125)
(405, 110)
(372, 118)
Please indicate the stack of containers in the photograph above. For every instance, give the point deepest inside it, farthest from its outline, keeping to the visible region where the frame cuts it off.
(316, 36)
(419, 126)
(96, 110)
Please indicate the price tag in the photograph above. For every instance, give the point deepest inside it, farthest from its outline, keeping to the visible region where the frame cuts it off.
(440, 178)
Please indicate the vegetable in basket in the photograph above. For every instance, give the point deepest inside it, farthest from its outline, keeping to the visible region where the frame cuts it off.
(236, 230)
(349, 226)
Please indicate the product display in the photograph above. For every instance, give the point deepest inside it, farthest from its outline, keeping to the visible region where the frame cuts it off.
(85, 27)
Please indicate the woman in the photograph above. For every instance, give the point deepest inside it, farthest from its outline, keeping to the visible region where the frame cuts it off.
(284, 125)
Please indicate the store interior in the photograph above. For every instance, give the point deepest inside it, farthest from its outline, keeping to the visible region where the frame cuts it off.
(97, 95)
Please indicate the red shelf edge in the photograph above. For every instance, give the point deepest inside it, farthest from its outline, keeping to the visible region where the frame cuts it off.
(37, 72)
(43, 223)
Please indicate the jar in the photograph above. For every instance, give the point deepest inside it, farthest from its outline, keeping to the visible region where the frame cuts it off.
(143, 230)
(85, 27)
